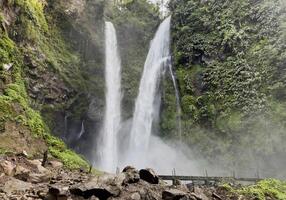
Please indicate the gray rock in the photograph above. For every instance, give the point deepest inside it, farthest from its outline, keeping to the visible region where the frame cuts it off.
(43, 174)
(131, 175)
(199, 193)
(58, 192)
(38, 178)
(22, 173)
(101, 187)
(149, 176)
(173, 194)
(135, 196)
(55, 164)
(13, 185)
(129, 169)
(7, 167)
(188, 197)
(35, 162)
(98, 192)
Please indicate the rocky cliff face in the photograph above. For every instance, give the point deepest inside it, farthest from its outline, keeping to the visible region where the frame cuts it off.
(33, 78)
(52, 65)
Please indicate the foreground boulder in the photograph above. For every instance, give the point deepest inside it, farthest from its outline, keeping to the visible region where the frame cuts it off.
(7, 167)
(131, 175)
(55, 164)
(41, 175)
(22, 173)
(58, 192)
(101, 187)
(100, 193)
(149, 176)
(13, 185)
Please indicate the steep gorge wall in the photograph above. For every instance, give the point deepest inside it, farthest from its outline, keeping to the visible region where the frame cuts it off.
(135, 23)
(32, 53)
(57, 79)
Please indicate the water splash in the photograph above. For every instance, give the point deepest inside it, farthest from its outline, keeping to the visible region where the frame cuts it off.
(145, 106)
(107, 146)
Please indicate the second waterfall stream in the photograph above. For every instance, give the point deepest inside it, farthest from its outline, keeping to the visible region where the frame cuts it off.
(107, 143)
(145, 106)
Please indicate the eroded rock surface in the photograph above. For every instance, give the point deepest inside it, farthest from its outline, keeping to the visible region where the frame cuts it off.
(21, 178)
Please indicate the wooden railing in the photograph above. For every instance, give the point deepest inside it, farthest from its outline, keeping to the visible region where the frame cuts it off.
(207, 179)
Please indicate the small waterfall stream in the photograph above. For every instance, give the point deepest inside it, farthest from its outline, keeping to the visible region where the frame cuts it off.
(178, 104)
(82, 130)
(107, 146)
(66, 127)
(145, 103)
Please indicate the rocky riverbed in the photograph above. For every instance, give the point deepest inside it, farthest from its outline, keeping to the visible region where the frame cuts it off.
(26, 179)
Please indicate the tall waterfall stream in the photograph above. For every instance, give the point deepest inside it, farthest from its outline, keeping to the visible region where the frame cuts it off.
(142, 148)
(143, 116)
(108, 144)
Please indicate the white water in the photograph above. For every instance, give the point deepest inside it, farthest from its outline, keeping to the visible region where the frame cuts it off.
(107, 146)
(82, 130)
(163, 6)
(145, 106)
(66, 128)
(178, 104)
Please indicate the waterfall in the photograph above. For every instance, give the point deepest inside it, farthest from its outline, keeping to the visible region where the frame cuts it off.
(107, 146)
(145, 106)
(178, 104)
(66, 127)
(82, 130)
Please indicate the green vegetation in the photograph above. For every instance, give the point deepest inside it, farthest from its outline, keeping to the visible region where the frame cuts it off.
(33, 28)
(135, 22)
(230, 58)
(4, 151)
(71, 160)
(273, 189)
(15, 104)
(33, 10)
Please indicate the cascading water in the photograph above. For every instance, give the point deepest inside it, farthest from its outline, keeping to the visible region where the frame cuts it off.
(82, 130)
(107, 146)
(145, 106)
(66, 127)
(178, 105)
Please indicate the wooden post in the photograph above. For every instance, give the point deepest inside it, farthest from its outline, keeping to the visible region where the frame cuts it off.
(45, 158)
(257, 173)
(206, 181)
(233, 174)
(174, 176)
(206, 172)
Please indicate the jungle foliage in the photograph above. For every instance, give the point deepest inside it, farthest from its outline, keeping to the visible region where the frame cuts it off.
(30, 34)
(230, 63)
